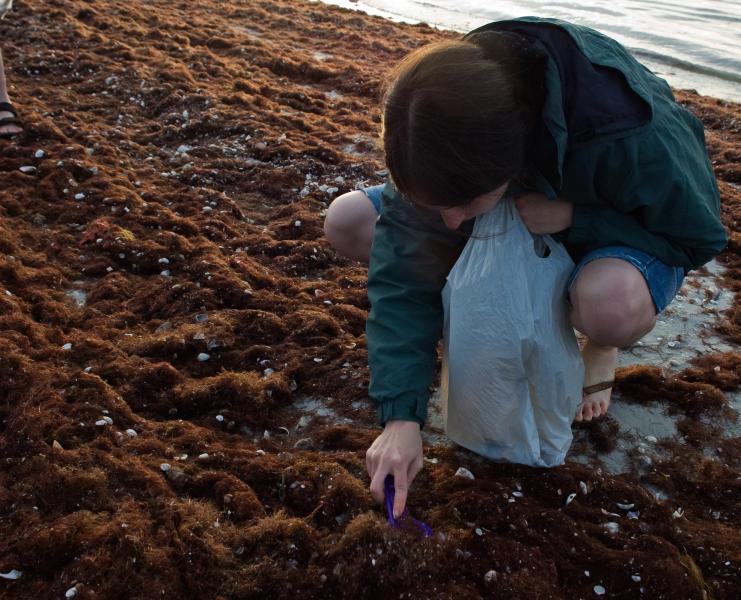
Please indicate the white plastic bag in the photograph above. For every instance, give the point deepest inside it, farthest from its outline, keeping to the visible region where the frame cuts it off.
(512, 371)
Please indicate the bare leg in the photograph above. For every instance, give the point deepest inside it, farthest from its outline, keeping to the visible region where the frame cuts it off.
(613, 308)
(6, 129)
(349, 225)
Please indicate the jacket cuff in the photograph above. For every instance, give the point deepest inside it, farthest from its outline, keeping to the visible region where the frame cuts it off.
(405, 408)
(581, 228)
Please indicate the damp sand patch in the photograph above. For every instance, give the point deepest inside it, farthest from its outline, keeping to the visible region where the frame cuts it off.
(686, 329)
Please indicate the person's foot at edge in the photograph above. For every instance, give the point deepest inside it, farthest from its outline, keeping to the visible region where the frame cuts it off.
(10, 125)
(599, 372)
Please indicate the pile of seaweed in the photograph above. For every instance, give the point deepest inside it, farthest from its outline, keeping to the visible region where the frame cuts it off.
(168, 304)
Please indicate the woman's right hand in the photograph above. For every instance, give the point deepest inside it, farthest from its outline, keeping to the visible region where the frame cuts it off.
(398, 451)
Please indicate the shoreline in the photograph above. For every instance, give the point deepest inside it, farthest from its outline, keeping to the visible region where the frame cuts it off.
(184, 408)
(680, 73)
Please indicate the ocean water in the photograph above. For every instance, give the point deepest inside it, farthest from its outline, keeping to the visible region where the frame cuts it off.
(692, 44)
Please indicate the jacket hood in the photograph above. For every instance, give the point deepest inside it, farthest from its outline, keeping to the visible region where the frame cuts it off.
(589, 91)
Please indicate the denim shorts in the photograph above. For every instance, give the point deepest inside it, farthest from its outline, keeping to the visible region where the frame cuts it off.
(374, 194)
(663, 280)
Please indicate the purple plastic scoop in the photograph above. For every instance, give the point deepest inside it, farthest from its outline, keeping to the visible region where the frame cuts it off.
(405, 522)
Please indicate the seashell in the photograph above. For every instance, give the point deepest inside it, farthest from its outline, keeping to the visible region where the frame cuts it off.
(463, 472)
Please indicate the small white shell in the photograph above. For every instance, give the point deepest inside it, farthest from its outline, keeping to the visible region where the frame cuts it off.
(14, 574)
(612, 527)
(463, 472)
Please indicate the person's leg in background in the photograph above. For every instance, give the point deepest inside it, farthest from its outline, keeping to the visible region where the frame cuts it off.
(9, 123)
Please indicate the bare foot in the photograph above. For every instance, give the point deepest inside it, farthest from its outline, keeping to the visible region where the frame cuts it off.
(11, 129)
(599, 366)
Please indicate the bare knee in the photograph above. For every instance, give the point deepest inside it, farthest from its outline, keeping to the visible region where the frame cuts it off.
(349, 225)
(612, 304)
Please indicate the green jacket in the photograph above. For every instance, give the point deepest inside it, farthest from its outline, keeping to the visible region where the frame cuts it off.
(614, 143)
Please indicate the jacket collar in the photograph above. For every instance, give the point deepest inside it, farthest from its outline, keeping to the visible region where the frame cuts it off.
(549, 149)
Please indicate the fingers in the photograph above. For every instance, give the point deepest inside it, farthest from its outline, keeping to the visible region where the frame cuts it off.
(403, 476)
(376, 474)
(414, 468)
(397, 451)
(376, 486)
(521, 204)
(401, 487)
(370, 462)
(402, 483)
(525, 209)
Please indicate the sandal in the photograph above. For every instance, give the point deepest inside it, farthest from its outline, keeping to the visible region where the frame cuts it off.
(598, 387)
(14, 120)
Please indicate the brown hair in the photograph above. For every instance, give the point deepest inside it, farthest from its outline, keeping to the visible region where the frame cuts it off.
(458, 116)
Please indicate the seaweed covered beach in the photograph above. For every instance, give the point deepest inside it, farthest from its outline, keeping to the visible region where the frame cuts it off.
(183, 377)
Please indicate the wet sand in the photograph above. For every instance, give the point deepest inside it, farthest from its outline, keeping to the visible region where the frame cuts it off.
(183, 407)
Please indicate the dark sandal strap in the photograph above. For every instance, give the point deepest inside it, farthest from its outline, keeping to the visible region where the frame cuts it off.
(8, 107)
(598, 387)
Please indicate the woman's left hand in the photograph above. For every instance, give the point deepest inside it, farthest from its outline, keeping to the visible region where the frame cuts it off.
(544, 216)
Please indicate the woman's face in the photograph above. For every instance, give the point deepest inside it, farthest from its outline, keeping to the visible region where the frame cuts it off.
(455, 215)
